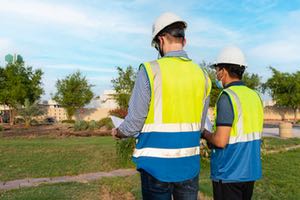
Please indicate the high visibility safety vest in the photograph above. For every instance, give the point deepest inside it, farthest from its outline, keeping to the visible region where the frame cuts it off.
(240, 160)
(168, 146)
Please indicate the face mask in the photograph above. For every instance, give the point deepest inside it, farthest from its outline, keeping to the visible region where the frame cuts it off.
(219, 83)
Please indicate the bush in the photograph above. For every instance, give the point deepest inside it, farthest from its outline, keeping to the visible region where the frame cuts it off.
(1, 128)
(119, 112)
(106, 122)
(93, 125)
(34, 122)
(19, 120)
(69, 121)
(81, 125)
(124, 150)
(204, 150)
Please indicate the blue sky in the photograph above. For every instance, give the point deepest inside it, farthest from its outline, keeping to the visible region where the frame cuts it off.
(62, 36)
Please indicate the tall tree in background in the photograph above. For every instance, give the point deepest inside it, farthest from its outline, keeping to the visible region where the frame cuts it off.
(284, 88)
(123, 85)
(73, 93)
(19, 83)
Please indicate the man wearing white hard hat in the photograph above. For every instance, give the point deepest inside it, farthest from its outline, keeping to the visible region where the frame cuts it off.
(235, 158)
(166, 111)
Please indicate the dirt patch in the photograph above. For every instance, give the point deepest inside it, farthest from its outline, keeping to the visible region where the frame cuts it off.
(55, 130)
(106, 194)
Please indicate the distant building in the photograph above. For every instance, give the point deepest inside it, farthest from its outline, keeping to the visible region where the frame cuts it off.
(269, 103)
(53, 110)
(107, 99)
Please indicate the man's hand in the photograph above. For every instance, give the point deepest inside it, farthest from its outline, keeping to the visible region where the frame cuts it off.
(117, 134)
(114, 133)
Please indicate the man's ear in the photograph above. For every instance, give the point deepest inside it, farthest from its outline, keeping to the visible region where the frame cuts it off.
(161, 40)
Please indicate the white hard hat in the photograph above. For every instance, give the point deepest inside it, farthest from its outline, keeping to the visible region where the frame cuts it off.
(231, 55)
(163, 21)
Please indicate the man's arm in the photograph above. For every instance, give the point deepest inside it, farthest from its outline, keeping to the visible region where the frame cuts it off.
(138, 107)
(220, 138)
(224, 121)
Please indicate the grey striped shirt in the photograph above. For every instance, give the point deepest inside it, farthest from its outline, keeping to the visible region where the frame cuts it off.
(140, 100)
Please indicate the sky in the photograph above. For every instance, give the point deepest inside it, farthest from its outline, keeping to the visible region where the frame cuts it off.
(95, 36)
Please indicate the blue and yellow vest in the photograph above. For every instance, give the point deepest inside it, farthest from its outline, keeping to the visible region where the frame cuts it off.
(168, 146)
(240, 160)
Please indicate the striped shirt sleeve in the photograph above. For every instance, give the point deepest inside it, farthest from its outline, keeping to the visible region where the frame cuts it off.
(138, 105)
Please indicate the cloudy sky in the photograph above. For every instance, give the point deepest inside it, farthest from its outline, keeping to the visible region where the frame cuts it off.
(95, 36)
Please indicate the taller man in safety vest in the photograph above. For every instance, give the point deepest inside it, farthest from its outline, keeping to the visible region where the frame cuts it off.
(166, 110)
(235, 158)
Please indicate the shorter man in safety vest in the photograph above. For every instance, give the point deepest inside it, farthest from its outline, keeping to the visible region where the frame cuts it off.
(235, 158)
(166, 109)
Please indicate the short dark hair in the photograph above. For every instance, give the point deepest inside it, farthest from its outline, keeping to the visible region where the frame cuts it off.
(234, 71)
(177, 30)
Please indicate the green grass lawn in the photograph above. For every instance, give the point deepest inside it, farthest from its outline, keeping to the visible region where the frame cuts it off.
(275, 143)
(42, 157)
(104, 189)
(47, 157)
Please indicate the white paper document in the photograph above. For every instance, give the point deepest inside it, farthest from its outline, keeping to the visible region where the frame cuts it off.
(116, 121)
(208, 125)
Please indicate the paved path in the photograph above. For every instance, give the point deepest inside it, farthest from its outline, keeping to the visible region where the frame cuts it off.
(83, 178)
(274, 132)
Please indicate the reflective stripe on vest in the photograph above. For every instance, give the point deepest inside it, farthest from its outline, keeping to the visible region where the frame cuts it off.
(238, 132)
(158, 122)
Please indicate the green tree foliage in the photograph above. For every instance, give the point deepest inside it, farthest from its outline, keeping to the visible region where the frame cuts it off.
(215, 91)
(73, 93)
(30, 110)
(252, 81)
(123, 85)
(284, 88)
(19, 83)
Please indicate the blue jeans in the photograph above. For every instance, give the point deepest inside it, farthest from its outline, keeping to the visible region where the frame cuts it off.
(153, 189)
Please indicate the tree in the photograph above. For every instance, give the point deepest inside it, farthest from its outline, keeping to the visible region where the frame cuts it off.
(284, 88)
(30, 110)
(73, 93)
(19, 83)
(123, 85)
(252, 81)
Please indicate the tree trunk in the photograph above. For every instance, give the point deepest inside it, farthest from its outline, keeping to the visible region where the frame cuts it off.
(27, 123)
(295, 115)
(11, 116)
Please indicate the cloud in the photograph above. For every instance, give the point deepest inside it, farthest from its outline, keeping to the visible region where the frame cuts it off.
(206, 33)
(63, 14)
(82, 68)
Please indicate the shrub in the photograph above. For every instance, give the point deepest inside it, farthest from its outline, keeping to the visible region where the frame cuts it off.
(69, 121)
(19, 120)
(34, 122)
(106, 122)
(93, 125)
(81, 125)
(119, 112)
(124, 150)
(204, 150)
